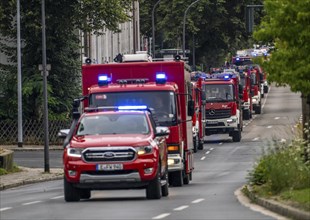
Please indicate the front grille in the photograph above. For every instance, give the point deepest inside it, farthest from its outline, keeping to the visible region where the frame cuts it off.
(215, 124)
(218, 113)
(109, 154)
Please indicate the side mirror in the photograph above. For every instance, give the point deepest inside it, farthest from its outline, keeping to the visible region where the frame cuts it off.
(76, 115)
(240, 96)
(162, 131)
(63, 133)
(240, 88)
(252, 93)
(203, 96)
(190, 108)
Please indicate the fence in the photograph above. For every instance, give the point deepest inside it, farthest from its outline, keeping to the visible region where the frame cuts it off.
(33, 132)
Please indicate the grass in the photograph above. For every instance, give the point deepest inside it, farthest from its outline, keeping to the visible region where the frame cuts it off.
(14, 170)
(283, 174)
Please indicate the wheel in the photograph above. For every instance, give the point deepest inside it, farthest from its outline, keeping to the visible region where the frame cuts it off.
(200, 145)
(258, 109)
(176, 178)
(246, 115)
(85, 193)
(196, 144)
(266, 89)
(153, 190)
(72, 194)
(186, 178)
(165, 187)
(236, 135)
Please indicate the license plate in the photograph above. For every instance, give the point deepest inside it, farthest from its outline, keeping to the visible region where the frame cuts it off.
(212, 122)
(114, 166)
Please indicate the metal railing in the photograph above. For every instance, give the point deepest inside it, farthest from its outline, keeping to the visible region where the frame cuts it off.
(33, 132)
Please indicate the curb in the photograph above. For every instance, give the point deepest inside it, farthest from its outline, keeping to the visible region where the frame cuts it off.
(275, 206)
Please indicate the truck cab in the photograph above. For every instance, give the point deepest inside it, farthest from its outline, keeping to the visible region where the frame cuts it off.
(101, 153)
(223, 105)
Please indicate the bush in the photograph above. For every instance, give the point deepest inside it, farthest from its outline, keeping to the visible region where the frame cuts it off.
(282, 167)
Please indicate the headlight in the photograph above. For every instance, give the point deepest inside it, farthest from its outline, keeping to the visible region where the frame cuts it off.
(144, 150)
(74, 152)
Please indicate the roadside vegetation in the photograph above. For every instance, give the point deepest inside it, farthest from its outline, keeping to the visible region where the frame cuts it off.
(283, 173)
(14, 170)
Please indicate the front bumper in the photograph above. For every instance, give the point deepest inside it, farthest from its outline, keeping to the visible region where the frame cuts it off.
(221, 126)
(175, 162)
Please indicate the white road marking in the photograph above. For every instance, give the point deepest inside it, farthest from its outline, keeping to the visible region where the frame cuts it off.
(57, 197)
(207, 152)
(5, 208)
(221, 143)
(255, 139)
(30, 203)
(164, 215)
(197, 200)
(203, 158)
(181, 208)
(270, 126)
(211, 148)
(276, 118)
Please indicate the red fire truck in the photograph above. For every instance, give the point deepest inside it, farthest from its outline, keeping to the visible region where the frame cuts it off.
(223, 105)
(199, 116)
(164, 86)
(247, 105)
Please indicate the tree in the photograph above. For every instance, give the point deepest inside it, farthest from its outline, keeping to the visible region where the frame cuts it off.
(64, 19)
(217, 26)
(287, 25)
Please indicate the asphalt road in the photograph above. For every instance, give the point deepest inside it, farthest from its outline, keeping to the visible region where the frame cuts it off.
(220, 169)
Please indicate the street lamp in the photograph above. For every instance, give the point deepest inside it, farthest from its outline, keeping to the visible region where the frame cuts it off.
(184, 20)
(153, 27)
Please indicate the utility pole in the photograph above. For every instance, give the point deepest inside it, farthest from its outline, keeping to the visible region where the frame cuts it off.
(19, 81)
(45, 102)
(250, 16)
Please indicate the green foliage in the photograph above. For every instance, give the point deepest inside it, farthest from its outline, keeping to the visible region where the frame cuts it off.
(63, 21)
(301, 197)
(287, 25)
(217, 27)
(282, 167)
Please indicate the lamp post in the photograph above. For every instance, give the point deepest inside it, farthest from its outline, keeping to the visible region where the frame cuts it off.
(153, 27)
(184, 21)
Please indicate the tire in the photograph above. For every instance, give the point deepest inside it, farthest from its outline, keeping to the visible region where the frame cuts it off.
(266, 89)
(153, 190)
(186, 179)
(176, 178)
(196, 144)
(246, 115)
(258, 109)
(236, 135)
(165, 188)
(200, 145)
(72, 194)
(85, 193)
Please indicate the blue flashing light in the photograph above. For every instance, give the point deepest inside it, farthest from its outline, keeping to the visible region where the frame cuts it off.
(226, 77)
(133, 107)
(161, 78)
(103, 79)
(237, 58)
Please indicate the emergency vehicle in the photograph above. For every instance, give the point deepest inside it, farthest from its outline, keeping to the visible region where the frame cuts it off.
(101, 153)
(223, 105)
(199, 116)
(149, 83)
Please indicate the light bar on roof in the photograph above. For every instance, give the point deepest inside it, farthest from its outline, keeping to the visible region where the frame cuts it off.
(161, 78)
(132, 107)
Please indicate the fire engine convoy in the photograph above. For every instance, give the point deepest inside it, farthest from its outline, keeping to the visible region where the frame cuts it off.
(171, 111)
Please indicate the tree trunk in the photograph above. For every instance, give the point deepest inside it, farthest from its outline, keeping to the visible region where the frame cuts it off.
(306, 123)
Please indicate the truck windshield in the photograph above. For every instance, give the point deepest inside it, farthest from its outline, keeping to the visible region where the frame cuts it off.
(113, 124)
(163, 102)
(219, 92)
